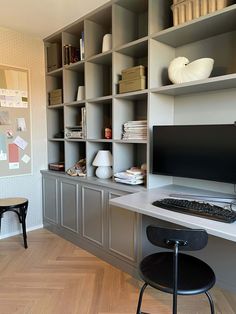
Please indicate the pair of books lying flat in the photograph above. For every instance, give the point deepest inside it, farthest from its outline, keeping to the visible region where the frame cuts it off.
(129, 178)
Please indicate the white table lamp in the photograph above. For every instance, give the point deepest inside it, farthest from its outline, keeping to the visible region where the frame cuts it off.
(103, 161)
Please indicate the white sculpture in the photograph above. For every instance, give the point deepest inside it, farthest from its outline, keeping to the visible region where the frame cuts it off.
(181, 71)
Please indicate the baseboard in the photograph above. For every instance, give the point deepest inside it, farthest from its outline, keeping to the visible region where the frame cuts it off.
(11, 234)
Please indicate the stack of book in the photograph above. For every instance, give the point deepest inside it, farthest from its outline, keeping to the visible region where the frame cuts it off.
(135, 130)
(132, 177)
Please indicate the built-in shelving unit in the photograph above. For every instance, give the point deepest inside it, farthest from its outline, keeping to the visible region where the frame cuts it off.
(142, 34)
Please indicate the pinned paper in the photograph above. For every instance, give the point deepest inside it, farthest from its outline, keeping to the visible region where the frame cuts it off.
(13, 98)
(21, 125)
(14, 165)
(13, 153)
(25, 159)
(20, 142)
(4, 118)
(3, 147)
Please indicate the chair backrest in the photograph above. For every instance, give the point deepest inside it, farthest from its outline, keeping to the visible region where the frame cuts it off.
(188, 239)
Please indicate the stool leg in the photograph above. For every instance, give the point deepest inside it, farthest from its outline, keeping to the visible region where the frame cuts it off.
(211, 302)
(140, 298)
(23, 216)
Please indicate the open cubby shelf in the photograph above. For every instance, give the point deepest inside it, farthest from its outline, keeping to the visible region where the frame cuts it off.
(142, 34)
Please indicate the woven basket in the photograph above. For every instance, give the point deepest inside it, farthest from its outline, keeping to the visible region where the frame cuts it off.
(187, 10)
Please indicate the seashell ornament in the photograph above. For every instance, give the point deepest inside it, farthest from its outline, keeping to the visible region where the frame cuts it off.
(181, 71)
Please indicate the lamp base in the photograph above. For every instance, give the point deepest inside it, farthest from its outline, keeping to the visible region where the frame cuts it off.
(104, 172)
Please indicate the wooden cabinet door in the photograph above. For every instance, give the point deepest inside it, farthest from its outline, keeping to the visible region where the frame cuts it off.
(93, 214)
(122, 234)
(50, 199)
(69, 205)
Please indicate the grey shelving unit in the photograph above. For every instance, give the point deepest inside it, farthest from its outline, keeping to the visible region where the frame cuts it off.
(142, 33)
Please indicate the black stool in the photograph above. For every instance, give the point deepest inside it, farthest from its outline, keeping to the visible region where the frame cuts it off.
(173, 272)
(18, 206)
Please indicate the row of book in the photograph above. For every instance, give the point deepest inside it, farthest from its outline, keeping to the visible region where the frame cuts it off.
(135, 130)
(74, 54)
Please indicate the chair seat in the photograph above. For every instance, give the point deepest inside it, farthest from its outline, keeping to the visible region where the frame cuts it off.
(194, 276)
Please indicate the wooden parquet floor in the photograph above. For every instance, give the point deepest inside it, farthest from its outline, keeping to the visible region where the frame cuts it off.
(54, 276)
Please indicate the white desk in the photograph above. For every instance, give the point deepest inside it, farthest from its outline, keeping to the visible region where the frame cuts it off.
(141, 202)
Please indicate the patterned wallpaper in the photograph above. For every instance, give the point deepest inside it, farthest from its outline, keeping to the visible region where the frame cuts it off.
(21, 50)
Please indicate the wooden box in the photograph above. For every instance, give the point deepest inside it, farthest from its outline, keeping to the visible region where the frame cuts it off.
(133, 72)
(126, 86)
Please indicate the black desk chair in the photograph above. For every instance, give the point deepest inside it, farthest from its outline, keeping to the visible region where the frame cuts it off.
(174, 272)
(18, 206)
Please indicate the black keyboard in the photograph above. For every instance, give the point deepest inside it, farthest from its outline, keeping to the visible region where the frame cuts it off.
(201, 209)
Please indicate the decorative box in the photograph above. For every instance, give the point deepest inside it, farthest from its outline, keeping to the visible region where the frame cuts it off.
(133, 72)
(132, 85)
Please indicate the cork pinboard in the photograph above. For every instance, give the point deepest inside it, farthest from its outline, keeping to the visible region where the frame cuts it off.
(15, 122)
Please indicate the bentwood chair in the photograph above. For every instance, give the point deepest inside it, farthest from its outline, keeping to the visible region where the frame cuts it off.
(173, 272)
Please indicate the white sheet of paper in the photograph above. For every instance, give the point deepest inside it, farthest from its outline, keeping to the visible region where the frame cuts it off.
(25, 159)
(21, 125)
(3, 156)
(14, 165)
(20, 142)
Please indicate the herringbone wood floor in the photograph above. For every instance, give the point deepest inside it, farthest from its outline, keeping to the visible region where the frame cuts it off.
(54, 276)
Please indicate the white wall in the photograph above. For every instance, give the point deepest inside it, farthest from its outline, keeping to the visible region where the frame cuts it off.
(20, 50)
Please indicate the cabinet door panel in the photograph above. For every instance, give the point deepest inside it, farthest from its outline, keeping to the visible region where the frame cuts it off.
(122, 231)
(92, 213)
(50, 199)
(69, 205)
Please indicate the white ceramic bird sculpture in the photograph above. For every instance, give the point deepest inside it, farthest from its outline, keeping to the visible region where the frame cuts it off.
(181, 71)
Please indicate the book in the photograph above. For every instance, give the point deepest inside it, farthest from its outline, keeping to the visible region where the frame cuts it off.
(81, 41)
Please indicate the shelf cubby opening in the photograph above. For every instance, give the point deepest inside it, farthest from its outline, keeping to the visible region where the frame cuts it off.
(56, 152)
(130, 21)
(99, 117)
(92, 150)
(124, 61)
(71, 43)
(74, 116)
(198, 108)
(75, 151)
(96, 26)
(216, 23)
(53, 52)
(128, 155)
(160, 15)
(224, 60)
(55, 125)
(72, 80)
(98, 78)
(128, 110)
(53, 83)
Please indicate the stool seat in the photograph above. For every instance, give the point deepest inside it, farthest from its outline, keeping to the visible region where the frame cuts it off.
(19, 206)
(12, 202)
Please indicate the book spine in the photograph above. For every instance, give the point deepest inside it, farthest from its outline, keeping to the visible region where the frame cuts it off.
(82, 46)
(66, 54)
(69, 54)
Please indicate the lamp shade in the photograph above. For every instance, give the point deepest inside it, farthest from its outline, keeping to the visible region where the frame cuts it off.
(103, 158)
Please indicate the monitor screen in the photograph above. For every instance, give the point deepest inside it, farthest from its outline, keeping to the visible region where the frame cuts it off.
(195, 151)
